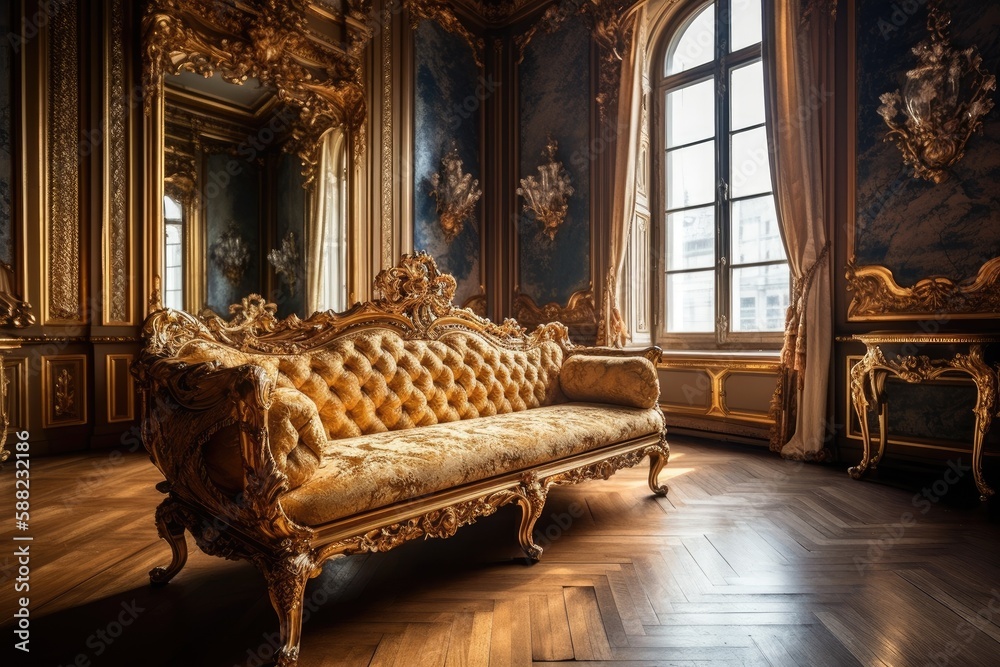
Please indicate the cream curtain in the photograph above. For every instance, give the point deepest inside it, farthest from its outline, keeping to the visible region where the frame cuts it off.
(797, 66)
(326, 233)
(612, 329)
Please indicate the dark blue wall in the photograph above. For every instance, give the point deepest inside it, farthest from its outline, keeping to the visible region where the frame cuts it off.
(914, 227)
(289, 215)
(6, 135)
(554, 88)
(449, 97)
(235, 197)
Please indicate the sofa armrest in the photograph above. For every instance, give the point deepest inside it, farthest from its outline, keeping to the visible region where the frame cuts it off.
(206, 429)
(621, 379)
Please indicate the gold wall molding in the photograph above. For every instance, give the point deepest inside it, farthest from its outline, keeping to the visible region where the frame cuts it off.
(64, 284)
(877, 296)
(386, 156)
(579, 313)
(64, 390)
(717, 372)
(117, 221)
(120, 388)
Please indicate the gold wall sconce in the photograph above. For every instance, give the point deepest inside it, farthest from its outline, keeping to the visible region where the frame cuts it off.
(547, 197)
(455, 192)
(942, 102)
(285, 260)
(230, 254)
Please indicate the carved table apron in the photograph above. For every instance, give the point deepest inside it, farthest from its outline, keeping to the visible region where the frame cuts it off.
(940, 354)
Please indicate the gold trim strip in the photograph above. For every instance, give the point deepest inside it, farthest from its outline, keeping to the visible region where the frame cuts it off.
(64, 290)
(117, 221)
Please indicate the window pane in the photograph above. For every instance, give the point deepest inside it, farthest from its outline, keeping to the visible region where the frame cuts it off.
(691, 113)
(695, 45)
(691, 302)
(751, 171)
(691, 239)
(691, 175)
(747, 100)
(171, 209)
(760, 297)
(756, 235)
(746, 24)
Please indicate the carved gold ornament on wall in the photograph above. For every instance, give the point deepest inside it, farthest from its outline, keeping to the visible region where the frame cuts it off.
(442, 13)
(942, 102)
(272, 43)
(455, 192)
(878, 297)
(547, 197)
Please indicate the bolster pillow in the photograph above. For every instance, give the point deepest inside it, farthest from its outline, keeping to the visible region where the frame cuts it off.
(629, 381)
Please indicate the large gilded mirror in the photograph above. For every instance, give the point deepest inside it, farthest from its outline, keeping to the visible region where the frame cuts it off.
(254, 131)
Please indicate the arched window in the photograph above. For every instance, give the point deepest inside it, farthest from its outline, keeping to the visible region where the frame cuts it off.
(722, 266)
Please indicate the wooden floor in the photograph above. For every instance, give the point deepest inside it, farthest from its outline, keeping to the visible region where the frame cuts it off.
(750, 560)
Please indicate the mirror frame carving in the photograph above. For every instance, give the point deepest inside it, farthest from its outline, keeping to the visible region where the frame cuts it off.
(278, 44)
(875, 294)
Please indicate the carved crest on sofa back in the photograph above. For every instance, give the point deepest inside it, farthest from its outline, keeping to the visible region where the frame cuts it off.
(414, 298)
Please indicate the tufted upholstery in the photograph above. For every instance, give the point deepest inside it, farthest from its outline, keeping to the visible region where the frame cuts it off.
(375, 381)
(379, 470)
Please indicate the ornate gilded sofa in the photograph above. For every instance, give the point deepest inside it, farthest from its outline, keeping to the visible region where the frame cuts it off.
(289, 442)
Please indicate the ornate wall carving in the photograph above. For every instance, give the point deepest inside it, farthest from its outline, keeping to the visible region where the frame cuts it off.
(117, 233)
(64, 390)
(65, 297)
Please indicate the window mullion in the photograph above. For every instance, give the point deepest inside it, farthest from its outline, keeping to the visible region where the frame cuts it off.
(722, 174)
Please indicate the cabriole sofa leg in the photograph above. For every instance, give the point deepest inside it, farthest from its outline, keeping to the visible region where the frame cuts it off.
(531, 497)
(171, 530)
(656, 462)
(286, 585)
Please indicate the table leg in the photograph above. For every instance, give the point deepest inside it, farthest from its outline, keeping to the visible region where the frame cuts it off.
(878, 388)
(859, 376)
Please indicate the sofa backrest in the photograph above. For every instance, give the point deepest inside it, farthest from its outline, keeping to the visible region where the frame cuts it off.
(376, 380)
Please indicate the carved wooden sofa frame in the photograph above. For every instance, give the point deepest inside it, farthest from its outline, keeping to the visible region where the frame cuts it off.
(185, 406)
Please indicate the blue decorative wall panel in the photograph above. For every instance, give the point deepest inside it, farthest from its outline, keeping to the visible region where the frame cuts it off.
(554, 87)
(914, 227)
(449, 95)
(290, 216)
(234, 200)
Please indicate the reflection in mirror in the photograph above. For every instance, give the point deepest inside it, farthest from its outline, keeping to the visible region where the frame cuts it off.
(328, 232)
(173, 278)
(256, 122)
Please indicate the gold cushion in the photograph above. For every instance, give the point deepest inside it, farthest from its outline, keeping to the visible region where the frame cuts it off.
(630, 381)
(378, 470)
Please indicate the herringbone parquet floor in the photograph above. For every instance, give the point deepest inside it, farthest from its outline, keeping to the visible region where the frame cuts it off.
(750, 560)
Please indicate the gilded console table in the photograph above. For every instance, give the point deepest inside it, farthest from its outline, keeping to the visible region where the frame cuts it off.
(940, 354)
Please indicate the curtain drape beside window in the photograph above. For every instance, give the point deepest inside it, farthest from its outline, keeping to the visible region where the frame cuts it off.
(612, 329)
(326, 230)
(796, 70)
